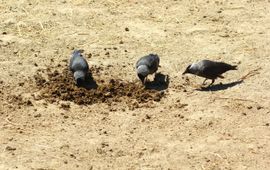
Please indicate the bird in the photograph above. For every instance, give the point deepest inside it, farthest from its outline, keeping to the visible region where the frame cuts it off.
(147, 65)
(79, 67)
(209, 69)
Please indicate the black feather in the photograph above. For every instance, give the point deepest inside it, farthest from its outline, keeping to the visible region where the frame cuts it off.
(212, 70)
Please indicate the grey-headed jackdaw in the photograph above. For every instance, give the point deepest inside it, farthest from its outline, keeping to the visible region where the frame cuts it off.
(147, 65)
(209, 69)
(79, 67)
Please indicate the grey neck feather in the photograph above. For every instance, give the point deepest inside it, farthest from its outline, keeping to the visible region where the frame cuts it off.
(194, 68)
(143, 70)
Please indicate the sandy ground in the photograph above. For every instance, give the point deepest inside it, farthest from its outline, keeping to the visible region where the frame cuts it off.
(224, 128)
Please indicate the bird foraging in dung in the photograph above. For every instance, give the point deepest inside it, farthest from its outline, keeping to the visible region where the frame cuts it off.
(79, 67)
(147, 65)
(209, 69)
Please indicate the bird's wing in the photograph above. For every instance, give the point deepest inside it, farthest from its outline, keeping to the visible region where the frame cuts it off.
(79, 63)
(153, 63)
(215, 69)
(71, 61)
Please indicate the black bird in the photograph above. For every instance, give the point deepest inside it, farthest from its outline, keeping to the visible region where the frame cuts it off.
(79, 67)
(147, 65)
(209, 69)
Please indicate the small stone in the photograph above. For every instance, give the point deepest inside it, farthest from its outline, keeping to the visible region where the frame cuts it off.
(10, 148)
(249, 107)
(21, 84)
(73, 156)
(148, 116)
(29, 103)
(37, 115)
(259, 107)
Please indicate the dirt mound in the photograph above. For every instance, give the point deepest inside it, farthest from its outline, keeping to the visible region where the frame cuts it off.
(56, 85)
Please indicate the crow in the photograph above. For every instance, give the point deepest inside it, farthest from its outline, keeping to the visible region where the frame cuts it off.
(79, 67)
(209, 69)
(147, 65)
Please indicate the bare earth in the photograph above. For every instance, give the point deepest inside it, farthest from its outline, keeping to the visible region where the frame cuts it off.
(226, 127)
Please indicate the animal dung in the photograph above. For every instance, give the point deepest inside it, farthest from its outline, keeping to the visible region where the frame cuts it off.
(60, 86)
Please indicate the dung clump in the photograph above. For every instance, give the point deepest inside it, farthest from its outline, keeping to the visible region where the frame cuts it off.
(61, 86)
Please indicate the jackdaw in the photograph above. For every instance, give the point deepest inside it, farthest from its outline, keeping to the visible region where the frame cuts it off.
(79, 67)
(209, 69)
(147, 65)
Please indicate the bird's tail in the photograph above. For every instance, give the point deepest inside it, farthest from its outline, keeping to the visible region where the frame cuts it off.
(77, 52)
(234, 67)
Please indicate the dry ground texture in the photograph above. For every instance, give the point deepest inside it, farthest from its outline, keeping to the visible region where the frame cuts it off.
(225, 127)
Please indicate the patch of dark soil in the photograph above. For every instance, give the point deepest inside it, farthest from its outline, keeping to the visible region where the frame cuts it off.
(61, 86)
(19, 100)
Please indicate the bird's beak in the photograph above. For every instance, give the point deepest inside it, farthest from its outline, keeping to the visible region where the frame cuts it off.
(80, 82)
(142, 78)
(185, 72)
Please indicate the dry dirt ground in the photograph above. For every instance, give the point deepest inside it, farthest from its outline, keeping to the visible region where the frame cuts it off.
(43, 126)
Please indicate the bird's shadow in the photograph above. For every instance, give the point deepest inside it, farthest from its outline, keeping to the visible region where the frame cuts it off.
(90, 82)
(161, 82)
(219, 87)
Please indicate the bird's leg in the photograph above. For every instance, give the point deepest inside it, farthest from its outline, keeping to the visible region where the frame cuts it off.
(204, 82)
(213, 80)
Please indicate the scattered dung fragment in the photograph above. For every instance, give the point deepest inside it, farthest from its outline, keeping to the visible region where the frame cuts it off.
(61, 86)
(19, 100)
